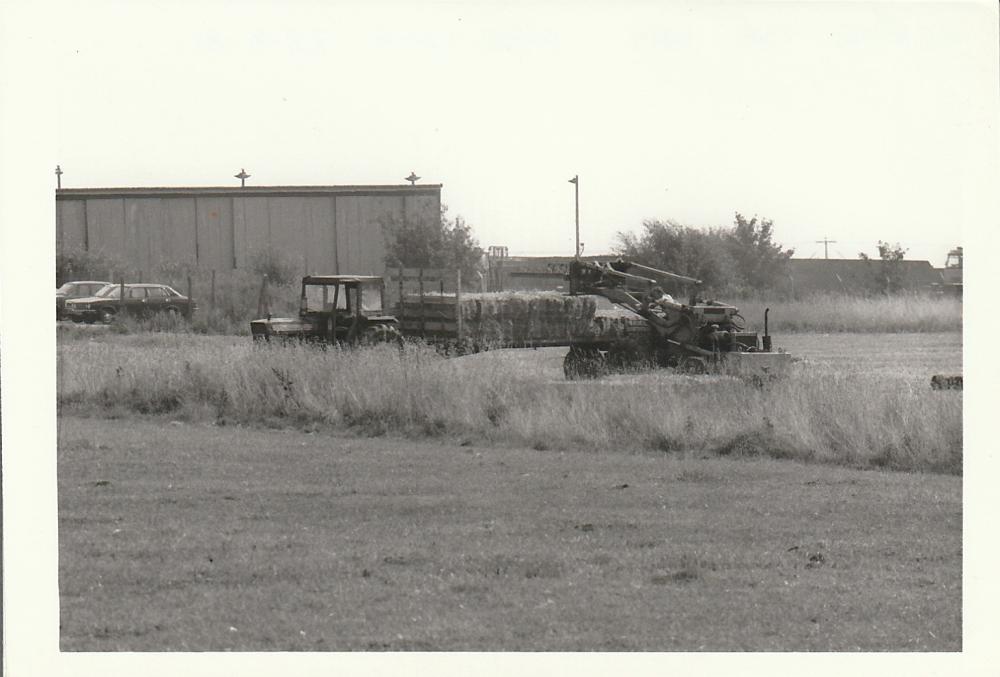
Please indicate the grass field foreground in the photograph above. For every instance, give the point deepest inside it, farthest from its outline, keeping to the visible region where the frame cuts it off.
(875, 409)
(193, 536)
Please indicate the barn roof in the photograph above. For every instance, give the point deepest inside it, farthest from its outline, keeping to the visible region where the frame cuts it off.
(248, 191)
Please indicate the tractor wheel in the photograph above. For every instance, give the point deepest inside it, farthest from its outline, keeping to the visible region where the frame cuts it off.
(625, 356)
(692, 365)
(583, 363)
(381, 333)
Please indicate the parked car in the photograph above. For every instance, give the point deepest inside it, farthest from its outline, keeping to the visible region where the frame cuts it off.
(141, 300)
(75, 290)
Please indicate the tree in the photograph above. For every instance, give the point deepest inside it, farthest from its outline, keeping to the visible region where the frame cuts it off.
(760, 262)
(742, 258)
(886, 274)
(424, 241)
(684, 250)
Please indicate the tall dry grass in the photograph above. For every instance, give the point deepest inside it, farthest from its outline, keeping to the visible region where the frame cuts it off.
(855, 419)
(845, 313)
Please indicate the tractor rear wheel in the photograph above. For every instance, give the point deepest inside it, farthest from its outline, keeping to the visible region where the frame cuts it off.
(583, 362)
(625, 356)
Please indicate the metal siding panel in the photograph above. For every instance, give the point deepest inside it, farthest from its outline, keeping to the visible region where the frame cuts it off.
(322, 243)
(360, 243)
(239, 232)
(348, 225)
(145, 219)
(253, 229)
(422, 207)
(215, 243)
(72, 224)
(372, 244)
(178, 235)
(289, 226)
(384, 210)
(106, 226)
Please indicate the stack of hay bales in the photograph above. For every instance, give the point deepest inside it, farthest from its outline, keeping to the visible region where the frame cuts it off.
(512, 318)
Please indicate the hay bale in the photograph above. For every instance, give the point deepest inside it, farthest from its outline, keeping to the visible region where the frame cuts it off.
(524, 317)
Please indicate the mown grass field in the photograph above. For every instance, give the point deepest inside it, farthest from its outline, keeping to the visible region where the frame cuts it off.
(193, 536)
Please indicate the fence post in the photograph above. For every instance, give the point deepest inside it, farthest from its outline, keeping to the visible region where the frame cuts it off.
(400, 318)
(121, 297)
(211, 298)
(423, 315)
(458, 301)
(263, 303)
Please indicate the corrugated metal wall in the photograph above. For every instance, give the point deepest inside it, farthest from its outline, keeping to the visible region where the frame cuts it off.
(322, 232)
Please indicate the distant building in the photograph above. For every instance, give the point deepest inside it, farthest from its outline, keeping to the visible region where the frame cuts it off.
(325, 229)
(854, 276)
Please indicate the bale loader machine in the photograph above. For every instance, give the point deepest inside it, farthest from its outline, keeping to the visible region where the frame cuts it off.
(700, 336)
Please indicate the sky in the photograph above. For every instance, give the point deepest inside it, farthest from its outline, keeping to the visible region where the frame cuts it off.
(852, 122)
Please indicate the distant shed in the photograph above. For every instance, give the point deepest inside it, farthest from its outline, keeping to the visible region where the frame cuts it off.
(324, 229)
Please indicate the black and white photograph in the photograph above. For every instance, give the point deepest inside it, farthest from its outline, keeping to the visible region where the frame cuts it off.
(440, 338)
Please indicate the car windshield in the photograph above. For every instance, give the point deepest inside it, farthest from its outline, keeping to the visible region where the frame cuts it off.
(66, 288)
(111, 291)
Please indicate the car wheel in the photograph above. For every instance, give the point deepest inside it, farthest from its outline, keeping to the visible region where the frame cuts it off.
(107, 315)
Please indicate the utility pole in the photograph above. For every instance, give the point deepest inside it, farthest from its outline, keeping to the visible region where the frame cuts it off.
(576, 183)
(59, 173)
(826, 249)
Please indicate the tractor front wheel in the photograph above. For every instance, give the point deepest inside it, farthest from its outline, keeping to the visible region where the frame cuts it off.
(381, 333)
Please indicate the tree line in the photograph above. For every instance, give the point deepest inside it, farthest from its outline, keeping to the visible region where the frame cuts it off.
(740, 260)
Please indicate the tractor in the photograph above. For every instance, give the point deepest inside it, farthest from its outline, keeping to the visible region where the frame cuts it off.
(334, 309)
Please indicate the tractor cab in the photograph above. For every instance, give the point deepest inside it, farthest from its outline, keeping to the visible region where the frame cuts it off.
(334, 309)
(342, 296)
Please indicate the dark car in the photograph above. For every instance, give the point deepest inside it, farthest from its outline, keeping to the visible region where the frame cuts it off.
(141, 300)
(75, 290)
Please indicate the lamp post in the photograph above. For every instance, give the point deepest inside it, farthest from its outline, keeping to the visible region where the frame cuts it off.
(412, 178)
(576, 188)
(242, 176)
(59, 173)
